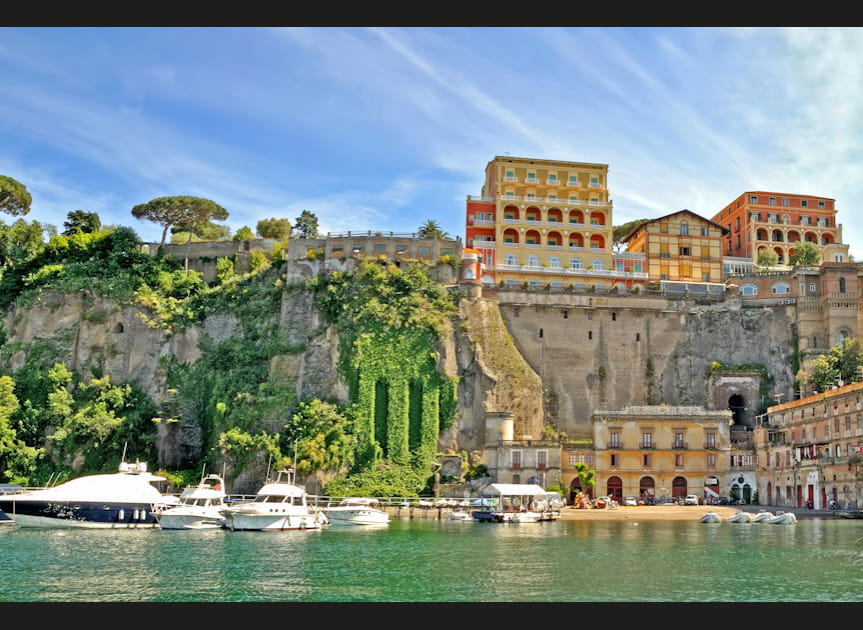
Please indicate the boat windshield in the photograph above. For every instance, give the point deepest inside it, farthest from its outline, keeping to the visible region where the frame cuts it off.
(278, 498)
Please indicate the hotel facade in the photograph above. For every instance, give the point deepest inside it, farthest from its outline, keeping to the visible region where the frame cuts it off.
(758, 220)
(548, 223)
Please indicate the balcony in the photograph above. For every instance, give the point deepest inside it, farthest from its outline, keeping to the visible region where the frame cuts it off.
(647, 446)
(679, 445)
(602, 273)
(594, 185)
(552, 182)
(510, 178)
(528, 442)
(533, 222)
(512, 221)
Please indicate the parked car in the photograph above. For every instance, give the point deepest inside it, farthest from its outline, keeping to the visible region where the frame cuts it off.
(630, 501)
(690, 499)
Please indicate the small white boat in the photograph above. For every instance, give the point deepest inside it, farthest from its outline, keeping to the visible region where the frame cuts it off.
(783, 518)
(278, 506)
(357, 511)
(710, 517)
(740, 517)
(199, 507)
(762, 517)
(459, 515)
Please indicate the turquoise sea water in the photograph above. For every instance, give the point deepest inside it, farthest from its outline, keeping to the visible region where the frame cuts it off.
(427, 560)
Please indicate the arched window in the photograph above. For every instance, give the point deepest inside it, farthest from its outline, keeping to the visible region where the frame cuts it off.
(576, 263)
(781, 288)
(510, 259)
(533, 260)
(554, 261)
(842, 336)
(749, 289)
(841, 285)
(597, 263)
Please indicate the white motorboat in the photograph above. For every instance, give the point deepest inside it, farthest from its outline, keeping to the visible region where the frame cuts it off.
(199, 507)
(782, 518)
(356, 511)
(125, 499)
(710, 517)
(460, 515)
(740, 517)
(278, 506)
(762, 517)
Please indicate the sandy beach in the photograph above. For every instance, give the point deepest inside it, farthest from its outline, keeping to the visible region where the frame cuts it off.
(646, 513)
(673, 513)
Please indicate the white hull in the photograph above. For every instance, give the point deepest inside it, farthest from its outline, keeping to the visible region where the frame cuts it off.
(272, 522)
(460, 516)
(24, 520)
(190, 520)
(785, 518)
(740, 517)
(527, 517)
(711, 517)
(762, 517)
(356, 516)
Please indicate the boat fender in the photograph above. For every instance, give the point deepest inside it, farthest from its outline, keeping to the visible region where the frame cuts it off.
(121, 514)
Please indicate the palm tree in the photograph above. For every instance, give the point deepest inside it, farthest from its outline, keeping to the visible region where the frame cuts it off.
(585, 477)
(431, 229)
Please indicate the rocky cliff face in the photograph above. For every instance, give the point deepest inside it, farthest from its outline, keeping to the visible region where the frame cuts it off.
(604, 356)
(542, 362)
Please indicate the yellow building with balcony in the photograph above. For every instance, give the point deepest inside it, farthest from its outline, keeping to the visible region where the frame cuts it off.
(546, 223)
(661, 452)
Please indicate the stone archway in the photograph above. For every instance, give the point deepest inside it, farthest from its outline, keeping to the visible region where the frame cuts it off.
(614, 489)
(647, 487)
(737, 406)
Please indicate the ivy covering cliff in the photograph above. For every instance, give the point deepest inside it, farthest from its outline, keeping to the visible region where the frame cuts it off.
(389, 319)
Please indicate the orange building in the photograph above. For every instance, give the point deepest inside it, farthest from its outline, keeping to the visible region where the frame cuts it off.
(779, 221)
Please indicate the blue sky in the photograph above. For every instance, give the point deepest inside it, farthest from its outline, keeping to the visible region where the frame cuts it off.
(384, 128)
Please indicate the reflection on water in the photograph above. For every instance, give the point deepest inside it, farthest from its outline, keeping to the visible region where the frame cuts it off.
(429, 560)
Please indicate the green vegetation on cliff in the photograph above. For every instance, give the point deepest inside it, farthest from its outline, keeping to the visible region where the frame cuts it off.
(389, 319)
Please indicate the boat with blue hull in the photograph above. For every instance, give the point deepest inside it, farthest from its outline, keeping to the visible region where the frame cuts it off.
(126, 499)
